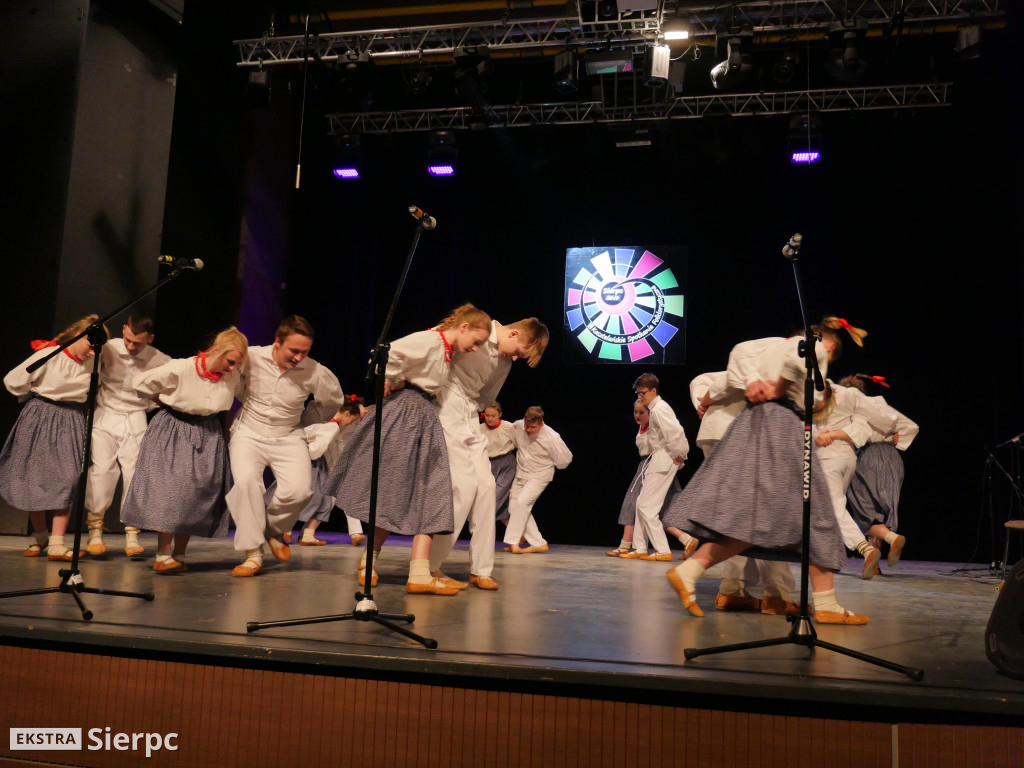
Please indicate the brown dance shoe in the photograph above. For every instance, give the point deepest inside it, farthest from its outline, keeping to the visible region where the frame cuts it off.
(433, 587)
(357, 539)
(776, 606)
(736, 603)
(895, 550)
(65, 557)
(541, 548)
(287, 537)
(34, 550)
(617, 552)
(362, 578)
(688, 598)
(172, 567)
(661, 556)
(249, 568)
(871, 558)
(691, 547)
(839, 617)
(279, 549)
(96, 547)
(483, 582)
(311, 542)
(449, 581)
(633, 555)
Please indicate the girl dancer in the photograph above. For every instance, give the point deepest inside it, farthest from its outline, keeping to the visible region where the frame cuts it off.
(414, 496)
(41, 461)
(760, 460)
(627, 512)
(182, 474)
(501, 450)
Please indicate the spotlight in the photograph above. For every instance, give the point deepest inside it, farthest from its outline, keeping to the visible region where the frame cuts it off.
(656, 63)
(567, 72)
(845, 60)
(675, 30)
(257, 91)
(805, 138)
(442, 154)
(784, 69)
(738, 66)
(419, 81)
(968, 43)
(348, 156)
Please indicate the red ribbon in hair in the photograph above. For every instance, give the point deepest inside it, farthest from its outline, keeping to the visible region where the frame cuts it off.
(843, 324)
(875, 379)
(42, 343)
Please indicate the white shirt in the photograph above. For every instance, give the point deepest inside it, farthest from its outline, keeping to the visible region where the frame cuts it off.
(539, 454)
(274, 399)
(665, 434)
(180, 387)
(782, 360)
(904, 427)
(484, 372)
(717, 418)
(500, 440)
(119, 371)
(61, 378)
(328, 440)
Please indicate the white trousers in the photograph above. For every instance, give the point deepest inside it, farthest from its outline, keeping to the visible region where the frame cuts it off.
(288, 459)
(648, 527)
(355, 528)
(838, 473)
(473, 496)
(114, 451)
(738, 572)
(524, 494)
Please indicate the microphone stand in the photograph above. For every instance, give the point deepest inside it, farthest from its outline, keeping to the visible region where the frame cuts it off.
(802, 630)
(366, 608)
(72, 582)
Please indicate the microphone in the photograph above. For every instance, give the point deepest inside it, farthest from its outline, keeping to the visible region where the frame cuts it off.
(428, 221)
(792, 248)
(180, 262)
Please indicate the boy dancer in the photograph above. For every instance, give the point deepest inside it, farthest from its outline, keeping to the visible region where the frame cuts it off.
(118, 426)
(267, 433)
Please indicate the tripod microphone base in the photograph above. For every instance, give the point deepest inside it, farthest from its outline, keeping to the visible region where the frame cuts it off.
(73, 584)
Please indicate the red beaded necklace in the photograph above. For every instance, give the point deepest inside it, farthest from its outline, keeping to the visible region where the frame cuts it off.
(449, 353)
(70, 354)
(202, 370)
(495, 426)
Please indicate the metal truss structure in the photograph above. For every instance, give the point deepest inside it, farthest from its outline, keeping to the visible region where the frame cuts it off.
(681, 108)
(574, 29)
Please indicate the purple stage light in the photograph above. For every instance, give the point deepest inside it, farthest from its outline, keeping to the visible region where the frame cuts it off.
(346, 173)
(441, 170)
(806, 157)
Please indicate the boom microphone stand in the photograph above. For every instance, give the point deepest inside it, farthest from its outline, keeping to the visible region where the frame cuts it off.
(366, 607)
(72, 582)
(802, 630)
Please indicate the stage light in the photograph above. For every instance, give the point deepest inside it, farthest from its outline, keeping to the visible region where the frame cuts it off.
(738, 66)
(785, 67)
(567, 72)
(656, 64)
(804, 139)
(675, 29)
(845, 60)
(968, 43)
(609, 62)
(442, 154)
(348, 156)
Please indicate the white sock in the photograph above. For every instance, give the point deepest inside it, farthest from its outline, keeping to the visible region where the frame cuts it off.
(164, 551)
(863, 548)
(826, 601)
(626, 545)
(164, 558)
(689, 572)
(309, 534)
(419, 571)
(56, 545)
(255, 554)
(684, 539)
(891, 536)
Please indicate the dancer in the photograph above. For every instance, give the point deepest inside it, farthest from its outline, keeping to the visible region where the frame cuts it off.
(415, 490)
(874, 492)
(278, 381)
(667, 446)
(182, 474)
(501, 451)
(722, 404)
(41, 462)
(326, 442)
(118, 426)
(480, 377)
(627, 512)
(760, 459)
(539, 451)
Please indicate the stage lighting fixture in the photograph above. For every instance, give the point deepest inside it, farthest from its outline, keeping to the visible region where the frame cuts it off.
(675, 30)
(442, 154)
(419, 80)
(567, 72)
(656, 63)
(845, 60)
(785, 67)
(609, 62)
(738, 66)
(968, 43)
(348, 156)
(805, 138)
(257, 90)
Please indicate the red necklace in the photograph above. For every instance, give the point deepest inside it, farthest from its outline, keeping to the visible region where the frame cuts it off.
(495, 426)
(202, 371)
(644, 428)
(449, 353)
(69, 353)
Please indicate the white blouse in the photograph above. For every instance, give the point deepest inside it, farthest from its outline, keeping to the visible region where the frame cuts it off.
(61, 378)
(178, 386)
(500, 440)
(541, 453)
(119, 371)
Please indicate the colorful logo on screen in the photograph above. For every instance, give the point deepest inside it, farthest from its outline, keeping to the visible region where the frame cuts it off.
(621, 302)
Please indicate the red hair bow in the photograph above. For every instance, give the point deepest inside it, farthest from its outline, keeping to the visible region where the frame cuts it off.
(41, 343)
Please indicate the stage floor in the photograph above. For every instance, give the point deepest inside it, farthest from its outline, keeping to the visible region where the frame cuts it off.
(570, 616)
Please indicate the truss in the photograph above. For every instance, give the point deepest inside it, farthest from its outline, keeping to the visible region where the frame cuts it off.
(681, 108)
(575, 30)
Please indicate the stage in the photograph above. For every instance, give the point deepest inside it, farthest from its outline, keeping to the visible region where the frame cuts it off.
(571, 622)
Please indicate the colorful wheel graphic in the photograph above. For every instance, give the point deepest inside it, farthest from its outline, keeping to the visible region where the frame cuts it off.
(619, 299)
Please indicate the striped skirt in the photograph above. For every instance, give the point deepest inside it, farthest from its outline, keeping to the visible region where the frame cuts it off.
(414, 487)
(751, 489)
(504, 470)
(41, 462)
(181, 477)
(874, 493)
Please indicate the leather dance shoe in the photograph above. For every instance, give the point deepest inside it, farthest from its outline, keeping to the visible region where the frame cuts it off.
(279, 549)
(66, 557)
(688, 598)
(248, 568)
(839, 617)
(691, 547)
(357, 539)
(660, 556)
(483, 582)
(311, 542)
(96, 547)
(617, 552)
(776, 606)
(287, 537)
(449, 581)
(433, 587)
(362, 578)
(172, 567)
(134, 550)
(34, 550)
(895, 550)
(632, 555)
(871, 559)
(530, 550)
(736, 603)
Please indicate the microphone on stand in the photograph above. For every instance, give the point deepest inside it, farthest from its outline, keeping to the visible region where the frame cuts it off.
(428, 221)
(792, 248)
(180, 262)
